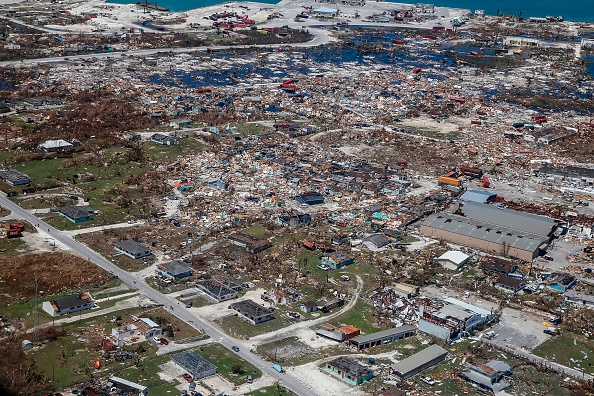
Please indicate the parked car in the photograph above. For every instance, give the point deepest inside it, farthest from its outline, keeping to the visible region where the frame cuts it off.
(164, 341)
(323, 267)
(157, 340)
(235, 348)
(427, 380)
(187, 377)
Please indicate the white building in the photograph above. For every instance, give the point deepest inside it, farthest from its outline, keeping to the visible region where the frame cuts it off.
(453, 259)
(141, 326)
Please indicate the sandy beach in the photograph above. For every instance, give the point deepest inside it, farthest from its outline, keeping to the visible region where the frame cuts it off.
(111, 17)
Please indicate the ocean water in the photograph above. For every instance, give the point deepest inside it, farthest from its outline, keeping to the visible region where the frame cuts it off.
(572, 10)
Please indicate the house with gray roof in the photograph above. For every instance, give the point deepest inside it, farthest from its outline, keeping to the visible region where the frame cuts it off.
(252, 311)
(174, 269)
(216, 290)
(14, 177)
(376, 241)
(132, 249)
(76, 214)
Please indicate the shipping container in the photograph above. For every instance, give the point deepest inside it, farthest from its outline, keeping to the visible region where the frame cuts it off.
(486, 182)
(19, 226)
(448, 181)
(473, 172)
(14, 233)
(457, 99)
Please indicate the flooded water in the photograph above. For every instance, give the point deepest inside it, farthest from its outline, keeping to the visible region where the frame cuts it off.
(367, 49)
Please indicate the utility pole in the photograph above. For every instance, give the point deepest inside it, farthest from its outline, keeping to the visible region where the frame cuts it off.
(36, 315)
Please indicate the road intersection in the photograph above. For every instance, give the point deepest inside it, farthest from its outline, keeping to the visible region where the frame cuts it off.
(168, 302)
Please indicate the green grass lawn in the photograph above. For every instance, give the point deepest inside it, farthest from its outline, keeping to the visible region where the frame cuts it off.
(568, 346)
(112, 293)
(250, 128)
(4, 211)
(73, 368)
(238, 327)
(224, 359)
(359, 316)
(184, 330)
(147, 375)
(12, 246)
(198, 302)
(129, 264)
(25, 310)
(116, 170)
(256, 231)
(181, 147)
(271, 390)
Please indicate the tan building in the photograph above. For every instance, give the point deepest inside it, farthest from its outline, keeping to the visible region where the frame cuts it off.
(494, 230)
(483, 236)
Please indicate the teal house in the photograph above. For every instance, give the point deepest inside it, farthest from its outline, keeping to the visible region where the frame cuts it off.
(349, 370)
(77, 214)
(337, 260)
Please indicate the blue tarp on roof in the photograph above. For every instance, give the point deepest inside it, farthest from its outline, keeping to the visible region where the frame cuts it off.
(477, 196)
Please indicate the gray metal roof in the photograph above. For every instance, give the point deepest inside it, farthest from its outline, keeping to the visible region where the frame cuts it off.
(131, 246)
(193, 363)
(485, 231)
(419, 359)
(477, 196)
(382, 334)
(131, 384)
(512, 219)
(175, 267)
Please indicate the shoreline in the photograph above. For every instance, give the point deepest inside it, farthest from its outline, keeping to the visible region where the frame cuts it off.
(411, 5)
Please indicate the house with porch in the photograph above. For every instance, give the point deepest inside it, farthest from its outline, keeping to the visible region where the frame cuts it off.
(337, 260)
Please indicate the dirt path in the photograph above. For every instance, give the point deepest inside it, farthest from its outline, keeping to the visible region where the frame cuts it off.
(292, 330)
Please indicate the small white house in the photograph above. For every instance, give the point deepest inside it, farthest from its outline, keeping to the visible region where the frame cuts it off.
(453, 259)
(141, 326)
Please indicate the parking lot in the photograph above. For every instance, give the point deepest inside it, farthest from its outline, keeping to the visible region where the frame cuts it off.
(519, 329)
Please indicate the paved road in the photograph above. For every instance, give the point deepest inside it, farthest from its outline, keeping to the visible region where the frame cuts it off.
(320, 37)
(168, 302)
